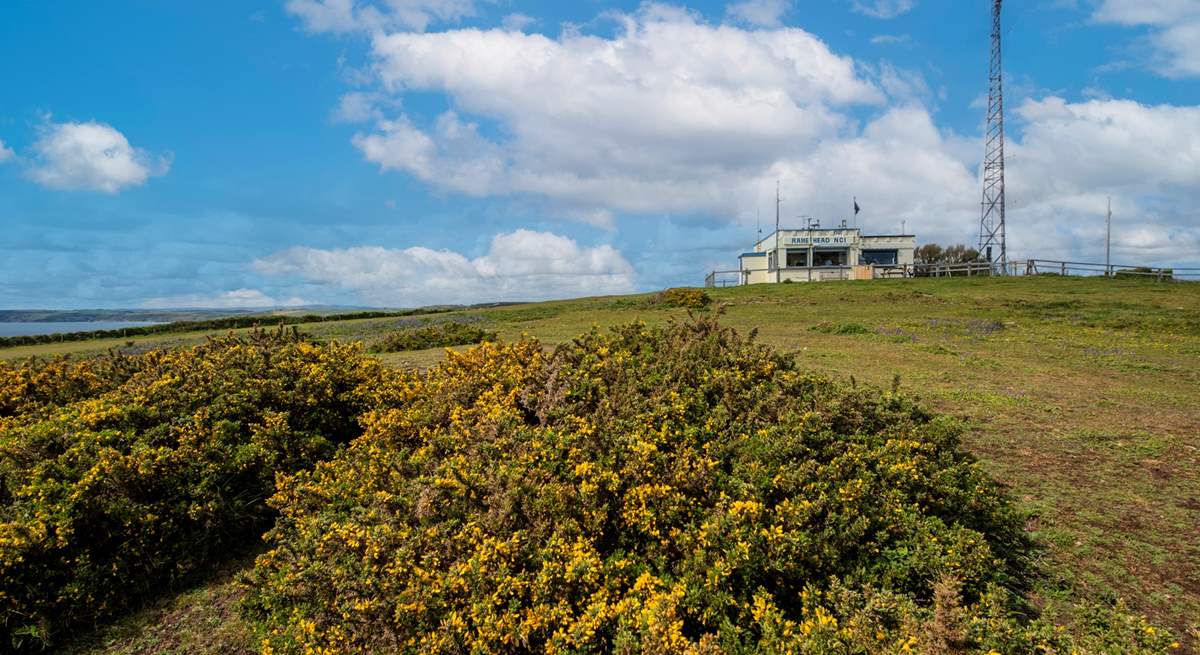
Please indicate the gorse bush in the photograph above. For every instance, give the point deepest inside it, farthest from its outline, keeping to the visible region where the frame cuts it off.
(30, 388)
(685, 297)
(669, 490)
(121, 475)
(437, 335)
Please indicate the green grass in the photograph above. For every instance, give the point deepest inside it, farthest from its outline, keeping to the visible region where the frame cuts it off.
(1083, 396)
(202, 620)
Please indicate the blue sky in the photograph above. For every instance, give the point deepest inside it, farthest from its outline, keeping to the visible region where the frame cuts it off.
(406, 152)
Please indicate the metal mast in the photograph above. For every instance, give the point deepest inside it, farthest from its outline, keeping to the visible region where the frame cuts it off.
(1108, 240)
(992, 241)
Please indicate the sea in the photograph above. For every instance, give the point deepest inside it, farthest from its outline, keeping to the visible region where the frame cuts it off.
(21, 329)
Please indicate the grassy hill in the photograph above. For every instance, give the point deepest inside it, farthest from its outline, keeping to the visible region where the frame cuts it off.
(1082, 396)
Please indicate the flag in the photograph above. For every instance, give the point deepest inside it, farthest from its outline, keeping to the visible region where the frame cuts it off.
(856, 207)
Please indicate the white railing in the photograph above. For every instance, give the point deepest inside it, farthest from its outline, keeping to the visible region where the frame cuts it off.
(725, 279)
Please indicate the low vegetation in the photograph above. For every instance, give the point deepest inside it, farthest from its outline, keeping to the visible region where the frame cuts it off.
(121, 477)
(683, 297)
(825, 327)
(666, 490)
(1144, 273)
(1078, 395)
(437, 335)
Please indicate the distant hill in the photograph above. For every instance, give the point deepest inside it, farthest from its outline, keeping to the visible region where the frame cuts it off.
(156, 315)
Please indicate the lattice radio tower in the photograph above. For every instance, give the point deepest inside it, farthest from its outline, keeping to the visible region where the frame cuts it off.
(992, 242)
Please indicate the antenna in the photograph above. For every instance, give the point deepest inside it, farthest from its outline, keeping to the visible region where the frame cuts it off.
(758, 213)
(992, 240)
(1108, 240)
(778, 204)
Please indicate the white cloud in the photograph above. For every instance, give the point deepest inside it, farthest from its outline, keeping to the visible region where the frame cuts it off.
(884, 9)
(902, 84)
(1072, 156)
(891, 39)
(520, 265)
(901, 168)
(357, 107)
(91, 156)
(1175, 30)
(236, 299)
(670, 114)
(1145, 12)
(1109, 144)
(518, 22)
(764, 13)
(6, 153)
(343, 16)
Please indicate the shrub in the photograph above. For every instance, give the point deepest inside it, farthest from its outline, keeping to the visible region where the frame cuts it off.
(826, 327)
(1144, 273)
(432, 336)
(34, 386)
(684, 297)
(120, 477)
(667, 490)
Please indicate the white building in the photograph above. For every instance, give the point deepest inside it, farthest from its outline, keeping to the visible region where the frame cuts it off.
(812, 255)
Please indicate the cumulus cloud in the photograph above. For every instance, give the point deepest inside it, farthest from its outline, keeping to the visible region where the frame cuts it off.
(1072, 156)
(236, 299)
(343, 16)
(520, 265)
(669, 114)
(764, 13)
(1175, 30)
(884, 9)
(91, 156)
(6, 153)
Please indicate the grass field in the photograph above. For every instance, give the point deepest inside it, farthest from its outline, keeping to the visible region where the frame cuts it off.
(1083, 396)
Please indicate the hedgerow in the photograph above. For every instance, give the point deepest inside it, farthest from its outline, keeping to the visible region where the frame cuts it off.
(667, 490)
(438, 335)
(120, 476)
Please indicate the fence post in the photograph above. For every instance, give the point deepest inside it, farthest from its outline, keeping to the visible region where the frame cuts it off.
(1064, 269)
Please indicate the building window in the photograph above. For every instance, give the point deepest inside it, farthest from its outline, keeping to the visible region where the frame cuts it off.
(830, 257)
(797, 258)
(879, 257)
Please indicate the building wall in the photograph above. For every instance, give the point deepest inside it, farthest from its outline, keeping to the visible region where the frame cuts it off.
(906, 246)
(759, 277)
(817, 244)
